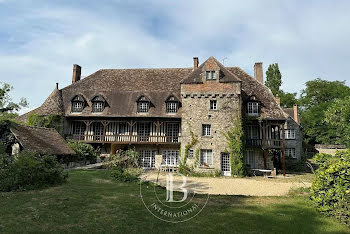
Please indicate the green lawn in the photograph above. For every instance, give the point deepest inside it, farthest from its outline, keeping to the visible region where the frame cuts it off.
(92, 202)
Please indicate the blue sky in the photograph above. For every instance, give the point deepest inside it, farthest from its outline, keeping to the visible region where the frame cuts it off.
(41, 40)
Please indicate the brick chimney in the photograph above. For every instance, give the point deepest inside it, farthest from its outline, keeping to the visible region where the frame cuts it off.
(76, 73)
(258, 72)
(296, 115)
(195, 63)
(56, 85)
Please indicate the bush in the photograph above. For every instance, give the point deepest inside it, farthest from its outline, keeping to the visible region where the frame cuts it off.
(83, 152)
(330, 189)
(31, 171)
(124, 159)
(47, 121)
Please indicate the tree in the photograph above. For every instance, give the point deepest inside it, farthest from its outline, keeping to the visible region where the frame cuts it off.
(7, 107)
(274, 82)
(337, 117)
(315, 99)
(273, 78)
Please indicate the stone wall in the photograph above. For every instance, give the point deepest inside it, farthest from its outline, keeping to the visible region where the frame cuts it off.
(196, 111)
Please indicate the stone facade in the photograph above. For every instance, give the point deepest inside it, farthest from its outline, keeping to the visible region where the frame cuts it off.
(294, 143)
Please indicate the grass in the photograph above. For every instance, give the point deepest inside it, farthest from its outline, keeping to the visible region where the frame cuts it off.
(92, 202)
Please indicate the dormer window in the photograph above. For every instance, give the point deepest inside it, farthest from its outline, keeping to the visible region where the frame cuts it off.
(210, 75)
(78, 103)
(98, 104)
(143, 104)
(253, 109)
(172, 105)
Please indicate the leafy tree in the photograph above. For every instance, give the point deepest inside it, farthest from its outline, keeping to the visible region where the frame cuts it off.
(337, 117)
(47, 121)
(315, 99)
(273, 78)
(6, 104)
(274, 82)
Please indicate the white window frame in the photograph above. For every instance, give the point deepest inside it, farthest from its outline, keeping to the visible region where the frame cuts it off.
(206, 130)
(250, 158)
(142, 107)
(290, 152)
(213, 105)
(170, 158)
(253, 108)
(206, 157)
(97, 107)
(210, 75)
(289, 134)
(77, 106)
(171, 107)
(147, 159)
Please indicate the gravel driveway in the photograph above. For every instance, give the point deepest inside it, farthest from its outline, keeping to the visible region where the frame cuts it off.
(232, 186)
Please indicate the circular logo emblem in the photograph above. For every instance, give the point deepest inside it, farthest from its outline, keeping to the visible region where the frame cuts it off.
(173, 197)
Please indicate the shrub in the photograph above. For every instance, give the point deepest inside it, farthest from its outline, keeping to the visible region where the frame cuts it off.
(124, 159)
(330, 190)
(83, 151)
(47, 121)
(31, 171)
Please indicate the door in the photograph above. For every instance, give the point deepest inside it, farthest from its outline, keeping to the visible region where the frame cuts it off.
(225, 164)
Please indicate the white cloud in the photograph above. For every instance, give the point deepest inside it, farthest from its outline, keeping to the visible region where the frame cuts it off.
(308, 39)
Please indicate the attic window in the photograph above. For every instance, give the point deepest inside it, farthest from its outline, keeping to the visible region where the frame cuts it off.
(253, 108)
(172, 105)
(98, 104)
(78, 103)
(143, 104)
(210, 75)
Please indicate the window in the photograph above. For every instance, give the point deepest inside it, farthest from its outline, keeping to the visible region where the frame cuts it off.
(147, 159)
(142, 107)
(253, 108)
(213, 105)
(77, 106)
(250, 158)
(190, 153)
(170, 157)
(78, 103)
(290, 152)
(206, 158)
(206, 130)
(78, 128)
(252, 132)
(171, 107)
(143, 131)
(172, 132)
(210, 75)
(97, 106)
(289, 133)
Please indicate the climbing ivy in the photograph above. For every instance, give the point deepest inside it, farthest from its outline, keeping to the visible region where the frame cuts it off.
(235, 148)
(47, 121)
(183, 167)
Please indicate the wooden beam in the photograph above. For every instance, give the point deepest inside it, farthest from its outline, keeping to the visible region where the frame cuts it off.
(265, 156)
(283, 153)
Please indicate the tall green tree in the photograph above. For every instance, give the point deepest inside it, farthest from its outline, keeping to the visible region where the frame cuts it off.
(274, 82)
(337, 117)
(315, 100)
(273, 78)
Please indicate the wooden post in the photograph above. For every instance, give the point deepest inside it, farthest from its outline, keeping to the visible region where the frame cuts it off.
(283, 153)
(87, 124)
(131, 124)
(265, 156)
(104, 123)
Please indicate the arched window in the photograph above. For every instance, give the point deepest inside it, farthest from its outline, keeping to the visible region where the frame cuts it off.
(98, 104)
(78, 103)
(172, 105)
(143, 104)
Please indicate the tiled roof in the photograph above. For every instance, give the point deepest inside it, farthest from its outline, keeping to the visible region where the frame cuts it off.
(122, 87)
(41, 140)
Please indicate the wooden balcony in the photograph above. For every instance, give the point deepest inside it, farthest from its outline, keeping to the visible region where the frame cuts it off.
(264, 143)
(125, 139)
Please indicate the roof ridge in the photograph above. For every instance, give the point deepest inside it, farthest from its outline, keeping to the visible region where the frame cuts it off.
(23, 125)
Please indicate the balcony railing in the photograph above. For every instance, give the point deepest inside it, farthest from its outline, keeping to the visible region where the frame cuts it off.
(264, 143)
(126, 138)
